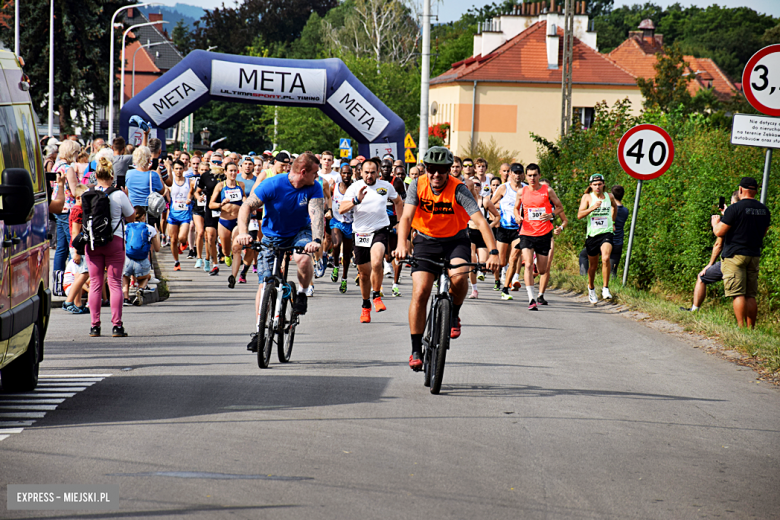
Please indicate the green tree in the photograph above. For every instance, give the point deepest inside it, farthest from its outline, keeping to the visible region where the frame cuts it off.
(182, 37)
(771, 36)
(81, 47)
(669, 88)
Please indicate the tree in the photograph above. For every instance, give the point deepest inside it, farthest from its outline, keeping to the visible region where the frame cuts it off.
(771, 36)
(81, 47)
(182, 37)
(669, 88)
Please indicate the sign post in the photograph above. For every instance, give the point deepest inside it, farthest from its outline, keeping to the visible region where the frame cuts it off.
(760, 81)
(645, 152)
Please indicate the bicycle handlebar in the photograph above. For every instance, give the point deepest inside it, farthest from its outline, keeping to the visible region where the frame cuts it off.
(258, 246)
(412, 260)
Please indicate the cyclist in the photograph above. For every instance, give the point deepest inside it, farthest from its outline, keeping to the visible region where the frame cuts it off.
(439, 207)
(294, 213)
(508, 231)
(601, 210)
(180, 216)
(227, 198)
(341, 229)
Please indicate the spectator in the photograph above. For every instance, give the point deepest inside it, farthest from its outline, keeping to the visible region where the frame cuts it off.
(139, 180)
(743, 227)
(120, 160)
(76, 273)
(97, 144)
(68, 151)
(140, 239)
(155, 146)
(620, 221)
(109, 259)
(50, 157)
(129, 149)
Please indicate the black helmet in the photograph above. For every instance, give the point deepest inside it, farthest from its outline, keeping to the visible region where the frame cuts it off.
(438, 155)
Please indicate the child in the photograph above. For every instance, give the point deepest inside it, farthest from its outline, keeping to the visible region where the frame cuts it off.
(140, 238)
(76, 274)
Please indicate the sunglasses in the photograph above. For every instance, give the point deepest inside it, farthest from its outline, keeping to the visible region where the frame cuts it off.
(437, 168)
(468, 165)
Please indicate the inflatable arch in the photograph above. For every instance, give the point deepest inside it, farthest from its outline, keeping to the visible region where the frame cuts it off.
(325, 84)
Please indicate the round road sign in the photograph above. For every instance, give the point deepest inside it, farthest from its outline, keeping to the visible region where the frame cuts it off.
(645, 152)
(761, 80)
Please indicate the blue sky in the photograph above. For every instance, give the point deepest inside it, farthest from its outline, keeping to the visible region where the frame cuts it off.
(450, 10)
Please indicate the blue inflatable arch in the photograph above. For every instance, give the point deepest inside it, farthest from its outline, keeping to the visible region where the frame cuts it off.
(325, 84)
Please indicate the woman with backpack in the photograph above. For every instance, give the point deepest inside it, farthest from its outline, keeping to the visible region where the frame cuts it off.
(105, 208)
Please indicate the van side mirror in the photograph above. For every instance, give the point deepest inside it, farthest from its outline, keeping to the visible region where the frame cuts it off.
(17, 199)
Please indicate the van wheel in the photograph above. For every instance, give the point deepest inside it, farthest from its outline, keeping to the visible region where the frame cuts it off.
(22, 374)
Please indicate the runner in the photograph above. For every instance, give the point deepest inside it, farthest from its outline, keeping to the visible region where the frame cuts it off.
(248, 179)
(341, 230)
(326, 172)
(368, 201)
(544, 280)
(601, 209)
(208, 181)
(293, 213)
(399, 183)
(438, 206)
(534, 213)
(227, 198)
(503, 172)
(199, 214)
(180, 216)
(388, 261)
(508, 230)
(281, 165)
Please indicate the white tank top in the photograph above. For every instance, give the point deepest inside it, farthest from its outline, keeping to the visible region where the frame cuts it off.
(506, 206)
(179, 196)
(337, 197)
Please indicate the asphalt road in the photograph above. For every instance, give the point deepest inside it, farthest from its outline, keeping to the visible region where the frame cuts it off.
(569, 412)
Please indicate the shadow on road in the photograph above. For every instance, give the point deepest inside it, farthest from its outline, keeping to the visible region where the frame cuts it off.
(476, 390)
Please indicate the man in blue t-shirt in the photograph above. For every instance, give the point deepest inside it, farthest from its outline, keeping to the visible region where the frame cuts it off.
(294, 212)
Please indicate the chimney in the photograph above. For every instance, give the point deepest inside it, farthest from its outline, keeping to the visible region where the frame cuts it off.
(156, 17)
(648, 31)
(552, 6)
(553, 44)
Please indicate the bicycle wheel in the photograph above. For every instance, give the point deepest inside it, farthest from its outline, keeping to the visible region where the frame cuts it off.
(441, 343)
(266, 340)
(428, 346)
(288, 321)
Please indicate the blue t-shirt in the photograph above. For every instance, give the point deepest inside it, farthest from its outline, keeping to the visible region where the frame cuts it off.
(620, 222)
(286, 208)
(248, 183)
(137, 183)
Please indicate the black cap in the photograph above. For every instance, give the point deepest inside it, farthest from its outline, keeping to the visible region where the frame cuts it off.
(749, 183)
(281, 157)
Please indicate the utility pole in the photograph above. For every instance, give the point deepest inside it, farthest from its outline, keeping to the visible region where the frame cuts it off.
(568, 44)
(426, 78)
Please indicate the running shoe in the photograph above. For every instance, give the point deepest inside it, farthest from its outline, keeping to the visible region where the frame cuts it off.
(214, 271)
(241, 278)
(153, 280)
(198, 263)
(540, 300)
(119, 332)
(319, 268)
(182, 248)
(330, 263)
(94, 332)
(207, 265)
(532, 306)
(415, 363)
(310, 291)
(516, 283)
(67, 305)
(334, 275)
(126, 303)
(300, 305)
(396, 292)
(254, 268)
(388, 268)
(605, 293)
(228, 261)
(177, 266)
(231, 281)
(592, 298)
(73, 309)
(252, 345)
(357, 280)
(505, 294)
(455, 331)
(343, 288)
(474, 294)
(497, 286)
(192, 254)
(379, 305)
(365, 315)
(481, 277)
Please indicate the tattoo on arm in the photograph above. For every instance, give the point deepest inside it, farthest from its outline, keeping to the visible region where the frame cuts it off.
(317, 216)
(254, 202)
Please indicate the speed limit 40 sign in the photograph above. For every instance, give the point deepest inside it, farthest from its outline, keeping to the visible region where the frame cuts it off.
(645, 152)
(761, 80)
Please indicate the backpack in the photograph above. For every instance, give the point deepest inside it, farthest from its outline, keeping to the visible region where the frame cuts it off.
(97, 217)
(137, 244)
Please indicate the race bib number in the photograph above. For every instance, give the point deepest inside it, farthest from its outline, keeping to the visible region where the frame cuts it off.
(536, 213)
(254, 225)
(180, 206)
(233, 195)
(202, 203)
(599, 222)
(215, 213)
(364, 239)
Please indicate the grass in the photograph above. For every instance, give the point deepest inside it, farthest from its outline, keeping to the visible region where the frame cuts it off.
(715, 319)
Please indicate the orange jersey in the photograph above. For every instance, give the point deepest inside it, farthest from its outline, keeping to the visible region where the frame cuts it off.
(535, 204)
(439, 216)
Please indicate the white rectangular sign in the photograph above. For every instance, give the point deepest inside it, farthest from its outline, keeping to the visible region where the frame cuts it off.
(268, 82)
(174, 97)
(751, 130)
(136, 135)
(382, 149)
(359, 112)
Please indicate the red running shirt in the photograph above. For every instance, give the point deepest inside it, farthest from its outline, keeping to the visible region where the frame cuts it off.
(535, 204)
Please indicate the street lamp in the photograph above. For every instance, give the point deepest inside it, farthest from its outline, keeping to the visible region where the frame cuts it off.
(204, 136)
(51, 68)
(111, 63)
(124, 36)
(136, 52)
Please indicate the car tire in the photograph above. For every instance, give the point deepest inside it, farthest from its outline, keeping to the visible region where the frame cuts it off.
(21, 375)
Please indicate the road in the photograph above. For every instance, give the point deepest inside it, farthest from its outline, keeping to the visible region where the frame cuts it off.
(570, 412)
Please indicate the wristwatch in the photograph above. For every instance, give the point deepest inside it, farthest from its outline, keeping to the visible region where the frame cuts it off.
(493, 252)
(317, 240)
(355, 201)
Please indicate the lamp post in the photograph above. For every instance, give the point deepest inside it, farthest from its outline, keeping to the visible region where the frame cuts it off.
(134, 54)
(51, 68)
(124, 36)
(16, 27)
(111, 65)
(204, 136)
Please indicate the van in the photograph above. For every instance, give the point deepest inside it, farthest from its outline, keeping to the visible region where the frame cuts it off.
(25, 298)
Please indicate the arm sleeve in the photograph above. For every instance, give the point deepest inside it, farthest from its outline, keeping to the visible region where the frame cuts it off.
(411, 193)
(466, 199)
(730, 215)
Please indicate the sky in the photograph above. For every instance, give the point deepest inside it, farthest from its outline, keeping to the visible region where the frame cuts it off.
(455, 8)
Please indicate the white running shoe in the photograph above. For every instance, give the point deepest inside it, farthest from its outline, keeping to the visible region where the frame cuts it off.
(592, 298)
(474, 294)
(606, 294)
(153, 280)
(388, 268)
(310, 291)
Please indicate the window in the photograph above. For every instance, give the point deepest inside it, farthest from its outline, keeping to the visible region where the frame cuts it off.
(585, 116)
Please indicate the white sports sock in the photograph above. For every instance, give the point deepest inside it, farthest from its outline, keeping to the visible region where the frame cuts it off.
(694, 308)
(530, 291)
(302, 290)
(473, 287)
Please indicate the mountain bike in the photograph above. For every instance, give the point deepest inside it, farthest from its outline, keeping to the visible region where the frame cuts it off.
(277, 319)
(436, 339)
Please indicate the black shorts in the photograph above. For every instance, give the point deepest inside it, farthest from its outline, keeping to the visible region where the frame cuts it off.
(506, 235)
(363, 254)
(253, 234)
(392, 241)
(199, 210)
(541, 245)
(327, 226)
(712, 274)
(475, 236)
(593, 244)
(439, 250)
(211, 222)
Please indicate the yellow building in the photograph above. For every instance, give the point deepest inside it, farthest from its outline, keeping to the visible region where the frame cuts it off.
(511, 86)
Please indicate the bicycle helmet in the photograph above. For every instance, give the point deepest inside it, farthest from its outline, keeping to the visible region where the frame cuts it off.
(438, 155)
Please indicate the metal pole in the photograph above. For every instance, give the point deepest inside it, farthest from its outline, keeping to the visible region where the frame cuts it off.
(765, 182)
(425, 77)
(51, 70)
(124, 47)
(16, 28)
(134, 54)
(566, 73)
(473, 115)
(633, 227)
